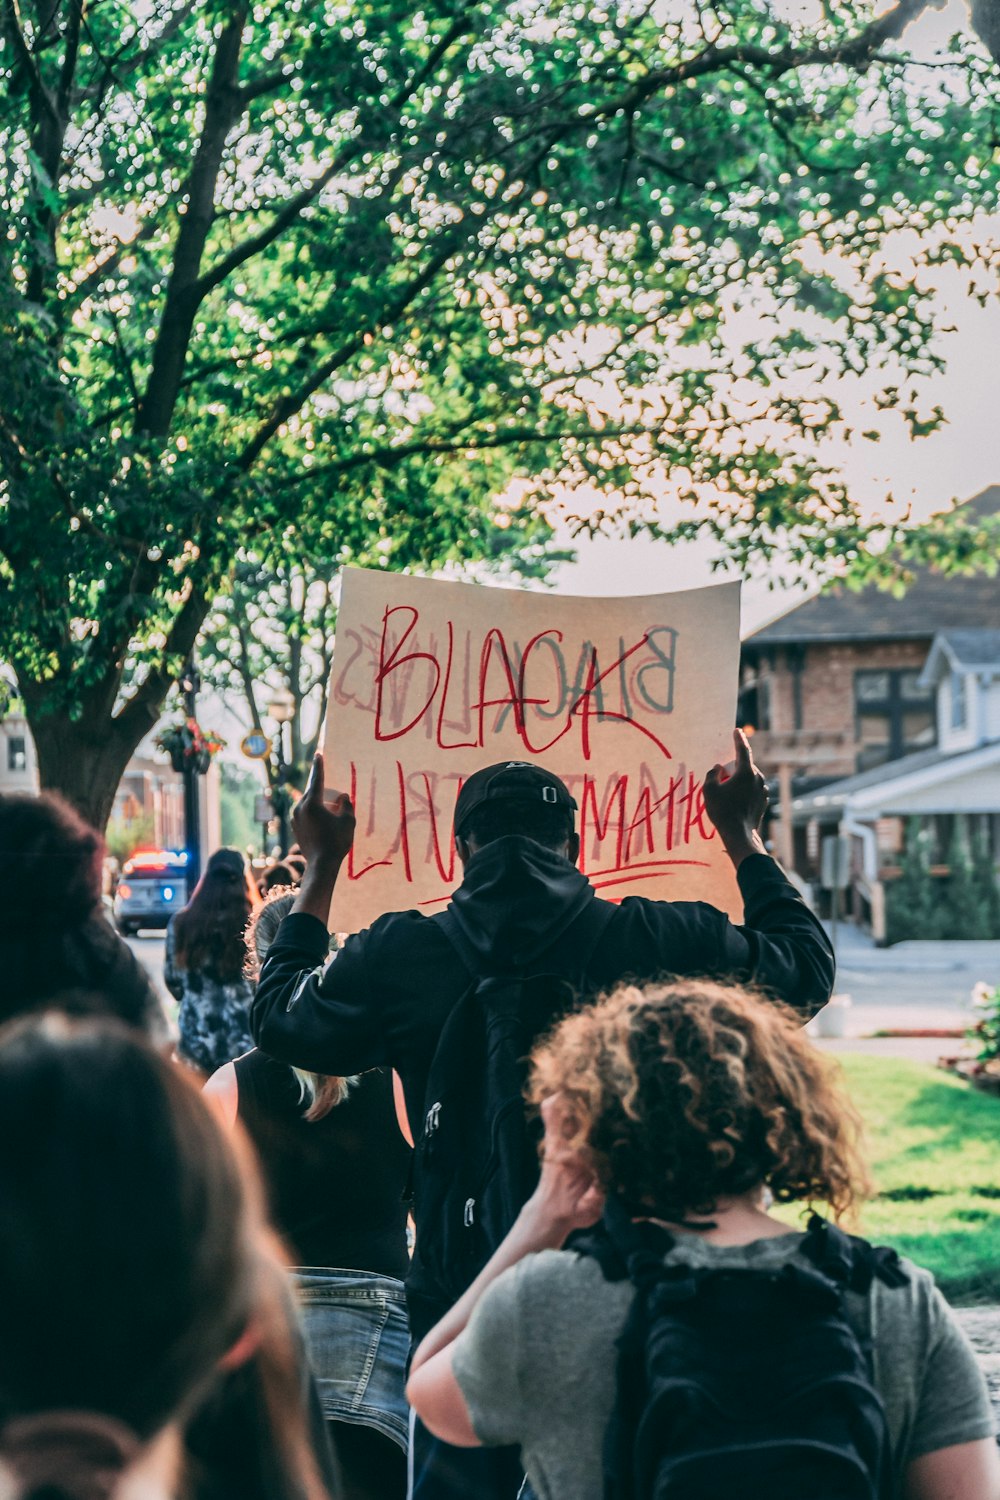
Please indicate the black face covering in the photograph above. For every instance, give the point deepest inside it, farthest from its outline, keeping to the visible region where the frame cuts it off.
(517, 897)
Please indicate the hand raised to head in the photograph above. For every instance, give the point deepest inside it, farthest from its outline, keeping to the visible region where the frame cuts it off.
(568, 1194)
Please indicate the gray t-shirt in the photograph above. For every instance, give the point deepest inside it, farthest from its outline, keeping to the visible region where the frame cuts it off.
(536, 1363)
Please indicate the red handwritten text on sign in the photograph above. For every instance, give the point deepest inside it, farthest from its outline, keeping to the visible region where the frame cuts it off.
(615, 696)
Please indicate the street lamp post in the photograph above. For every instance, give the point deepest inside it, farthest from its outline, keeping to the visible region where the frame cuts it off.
(190, 683)
(281, 708)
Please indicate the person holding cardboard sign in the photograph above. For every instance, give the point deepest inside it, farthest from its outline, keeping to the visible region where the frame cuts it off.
(455, 1001)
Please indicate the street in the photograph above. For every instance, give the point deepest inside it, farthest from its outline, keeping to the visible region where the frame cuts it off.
(914, 984)
(148, 949)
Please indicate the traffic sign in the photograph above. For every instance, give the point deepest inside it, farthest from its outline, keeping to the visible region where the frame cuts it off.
(256, 745)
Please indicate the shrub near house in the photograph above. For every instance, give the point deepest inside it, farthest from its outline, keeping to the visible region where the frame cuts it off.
(963, 903)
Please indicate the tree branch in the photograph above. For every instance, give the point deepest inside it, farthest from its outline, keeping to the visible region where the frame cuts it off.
(222, 109)
(116, 71)
(256, 88)
(294, 401)
(783, 133)
(245, 671)
(143, 707)
(186, 289)
(852, 51)
(68, 69)
(125, 546)
(471, 442)
(14, 29)
(114, 253)
(260, 241)
(124, 363)
(295, 205)
(986, 23)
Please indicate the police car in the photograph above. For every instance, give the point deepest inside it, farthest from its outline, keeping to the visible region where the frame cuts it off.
(151, 888)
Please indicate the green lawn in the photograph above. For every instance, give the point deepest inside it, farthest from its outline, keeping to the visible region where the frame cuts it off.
(934, 1144)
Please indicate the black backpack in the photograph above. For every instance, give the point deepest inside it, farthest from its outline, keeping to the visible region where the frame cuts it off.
(476, 1159)
(743, 1383)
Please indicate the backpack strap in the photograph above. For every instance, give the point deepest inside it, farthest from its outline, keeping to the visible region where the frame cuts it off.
(851, 1263)
(623, 1248)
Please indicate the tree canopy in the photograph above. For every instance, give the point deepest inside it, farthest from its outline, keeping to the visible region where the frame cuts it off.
(273, 626)
(341, 272)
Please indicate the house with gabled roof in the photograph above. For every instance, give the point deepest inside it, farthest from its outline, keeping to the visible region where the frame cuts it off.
(852, 695)
(964, 670)
(956, 782)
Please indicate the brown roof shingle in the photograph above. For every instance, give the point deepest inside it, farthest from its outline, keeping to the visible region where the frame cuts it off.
(933, 602)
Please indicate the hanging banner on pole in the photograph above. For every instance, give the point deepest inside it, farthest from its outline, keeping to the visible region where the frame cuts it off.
(630, 701)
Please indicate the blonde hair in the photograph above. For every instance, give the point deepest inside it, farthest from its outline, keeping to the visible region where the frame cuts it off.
(320, 1092)
(688, 1091)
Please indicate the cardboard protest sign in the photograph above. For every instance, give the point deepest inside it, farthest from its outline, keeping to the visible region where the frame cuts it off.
(630, 701)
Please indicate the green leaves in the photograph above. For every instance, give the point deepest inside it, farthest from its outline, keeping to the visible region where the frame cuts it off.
(348, 275)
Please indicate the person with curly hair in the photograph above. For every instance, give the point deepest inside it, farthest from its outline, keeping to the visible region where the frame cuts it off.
(203, 964)
(694, 1105)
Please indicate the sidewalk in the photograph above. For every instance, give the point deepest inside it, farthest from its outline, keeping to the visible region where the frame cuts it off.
(912, 987)
(917, 1048)
(856, 949)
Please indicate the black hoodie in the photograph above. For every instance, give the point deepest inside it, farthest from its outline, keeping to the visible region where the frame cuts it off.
(384, 997)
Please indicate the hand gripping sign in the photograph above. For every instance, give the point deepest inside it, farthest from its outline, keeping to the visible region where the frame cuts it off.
(630, 701)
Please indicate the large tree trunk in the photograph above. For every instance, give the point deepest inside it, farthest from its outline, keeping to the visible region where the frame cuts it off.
(83, 765)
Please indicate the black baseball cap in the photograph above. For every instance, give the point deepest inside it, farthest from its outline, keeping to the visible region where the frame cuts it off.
(511, 781)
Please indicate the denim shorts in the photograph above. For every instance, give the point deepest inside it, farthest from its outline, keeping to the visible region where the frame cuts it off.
(358, 1338)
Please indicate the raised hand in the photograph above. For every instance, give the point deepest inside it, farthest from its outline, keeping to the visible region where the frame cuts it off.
(736, 800)
(323, 820)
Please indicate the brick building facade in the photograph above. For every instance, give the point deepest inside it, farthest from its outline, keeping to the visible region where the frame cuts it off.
(833, 687)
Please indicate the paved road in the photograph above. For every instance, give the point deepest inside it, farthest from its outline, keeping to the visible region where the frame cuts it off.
(148, 949)
(939, 975)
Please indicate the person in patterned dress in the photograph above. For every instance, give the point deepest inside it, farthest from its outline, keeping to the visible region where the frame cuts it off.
(203, 964)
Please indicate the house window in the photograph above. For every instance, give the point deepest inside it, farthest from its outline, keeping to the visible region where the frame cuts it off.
(754, 710)
(17, 753)
(893, 714)
(764, 703)
(871, 687)
(795, 656)
(910, 689)
(959, 700)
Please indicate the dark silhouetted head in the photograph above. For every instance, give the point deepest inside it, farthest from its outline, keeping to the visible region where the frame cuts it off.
(515, 797)
(55, 945)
